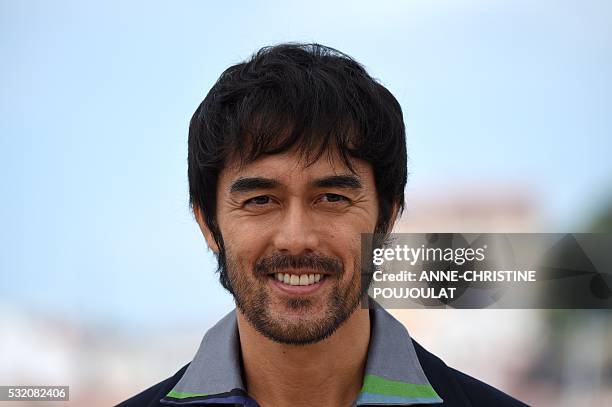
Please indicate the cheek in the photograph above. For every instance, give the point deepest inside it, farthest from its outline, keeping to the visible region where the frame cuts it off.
(243, 252)
(244, 245)
(348, 248)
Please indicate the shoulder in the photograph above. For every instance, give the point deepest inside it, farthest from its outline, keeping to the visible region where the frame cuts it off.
(459, 389)
(151, 396)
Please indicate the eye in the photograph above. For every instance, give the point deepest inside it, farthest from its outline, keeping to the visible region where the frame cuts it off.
(334, 198)
(258, 200)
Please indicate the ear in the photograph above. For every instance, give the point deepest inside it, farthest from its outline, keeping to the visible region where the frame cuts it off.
(210, 240)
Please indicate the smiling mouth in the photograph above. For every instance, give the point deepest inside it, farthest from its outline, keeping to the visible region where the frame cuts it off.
(298, 280)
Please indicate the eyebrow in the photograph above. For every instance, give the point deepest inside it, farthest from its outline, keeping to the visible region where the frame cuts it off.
(247, 184)
(338, 181)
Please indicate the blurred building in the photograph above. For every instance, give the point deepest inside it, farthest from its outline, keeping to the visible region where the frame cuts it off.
(518, 351)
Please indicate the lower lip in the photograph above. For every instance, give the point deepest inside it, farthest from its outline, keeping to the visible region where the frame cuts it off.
(298, 289)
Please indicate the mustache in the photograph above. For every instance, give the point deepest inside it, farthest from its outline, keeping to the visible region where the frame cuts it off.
(278, 263)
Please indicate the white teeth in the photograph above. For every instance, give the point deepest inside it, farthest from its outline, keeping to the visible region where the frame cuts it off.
(293, 279)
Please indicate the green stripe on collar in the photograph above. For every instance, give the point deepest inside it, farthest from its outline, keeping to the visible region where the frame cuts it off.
(379, 385)
(182, 395)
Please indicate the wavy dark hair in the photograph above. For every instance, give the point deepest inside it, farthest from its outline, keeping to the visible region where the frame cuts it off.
(305, 96)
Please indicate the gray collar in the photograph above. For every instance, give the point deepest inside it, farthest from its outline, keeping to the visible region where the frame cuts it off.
(393, 374)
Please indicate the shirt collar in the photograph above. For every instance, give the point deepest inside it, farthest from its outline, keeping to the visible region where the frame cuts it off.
(393, 374)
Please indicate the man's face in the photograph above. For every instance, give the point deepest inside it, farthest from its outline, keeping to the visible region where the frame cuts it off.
(292, 242)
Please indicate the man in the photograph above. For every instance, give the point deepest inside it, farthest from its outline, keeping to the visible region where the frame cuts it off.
(292, 156)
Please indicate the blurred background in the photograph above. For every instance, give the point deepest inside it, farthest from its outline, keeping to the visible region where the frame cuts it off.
(107, 285)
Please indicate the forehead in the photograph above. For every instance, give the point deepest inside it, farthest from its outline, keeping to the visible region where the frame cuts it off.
(294, 167)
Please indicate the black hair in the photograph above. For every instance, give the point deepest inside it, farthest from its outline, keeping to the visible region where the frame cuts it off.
(305, 96)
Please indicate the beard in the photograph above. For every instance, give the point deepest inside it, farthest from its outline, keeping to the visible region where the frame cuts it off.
(298, 320)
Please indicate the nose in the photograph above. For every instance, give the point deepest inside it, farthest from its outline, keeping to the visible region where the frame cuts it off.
(296, 233)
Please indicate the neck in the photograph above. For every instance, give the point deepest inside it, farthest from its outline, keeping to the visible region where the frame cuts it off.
(326, 373)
